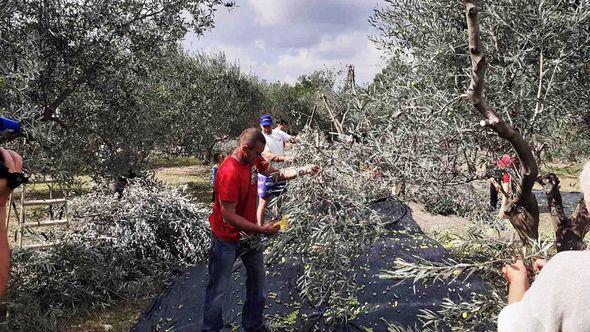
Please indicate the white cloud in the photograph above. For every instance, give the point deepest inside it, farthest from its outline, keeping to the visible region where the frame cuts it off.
(278, 12)
(260, 44)
(284, 39)
(346, 49)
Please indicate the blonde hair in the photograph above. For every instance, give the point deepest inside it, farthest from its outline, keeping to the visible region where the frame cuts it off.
(585, 183)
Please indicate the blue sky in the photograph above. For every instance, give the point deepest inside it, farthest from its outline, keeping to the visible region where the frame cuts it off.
(279, 40)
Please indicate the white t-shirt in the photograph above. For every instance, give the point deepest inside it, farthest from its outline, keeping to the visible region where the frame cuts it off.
(558, 300)
(275, 144)
(286, 137)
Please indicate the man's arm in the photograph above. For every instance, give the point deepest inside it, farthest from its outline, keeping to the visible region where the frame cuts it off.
(290, 173)
(518, 281)
(291, 139)
(4, 252)
(14, 163)
(274, 157)
(228, 212)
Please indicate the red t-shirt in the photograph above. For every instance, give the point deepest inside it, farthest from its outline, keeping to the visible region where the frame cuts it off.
(237, 183)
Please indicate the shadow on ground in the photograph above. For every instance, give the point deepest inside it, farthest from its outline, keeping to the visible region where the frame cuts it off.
(179, 308)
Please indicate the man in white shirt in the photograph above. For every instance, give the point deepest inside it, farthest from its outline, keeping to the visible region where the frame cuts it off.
(274, 153)
(281, 129)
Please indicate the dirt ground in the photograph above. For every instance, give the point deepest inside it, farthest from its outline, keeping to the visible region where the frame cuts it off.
(435, 225)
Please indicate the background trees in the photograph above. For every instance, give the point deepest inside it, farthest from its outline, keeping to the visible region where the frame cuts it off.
(73, 72)
(213, 100)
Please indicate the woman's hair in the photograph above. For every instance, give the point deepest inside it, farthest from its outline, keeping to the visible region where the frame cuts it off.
(585, 183)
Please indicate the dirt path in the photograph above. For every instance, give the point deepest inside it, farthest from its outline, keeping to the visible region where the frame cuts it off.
(196, 178)
(432, 224)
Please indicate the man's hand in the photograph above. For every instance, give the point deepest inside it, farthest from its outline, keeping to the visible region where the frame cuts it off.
(290, 159)
(14, 163)
(309, 170)
(518, 281)
(270, 228)
(515, 272)
(539, 264)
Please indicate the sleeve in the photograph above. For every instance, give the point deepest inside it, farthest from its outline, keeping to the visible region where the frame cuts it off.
(286, 137)
(213, 174)
(227, 185)
(261, 164)
(512, 318)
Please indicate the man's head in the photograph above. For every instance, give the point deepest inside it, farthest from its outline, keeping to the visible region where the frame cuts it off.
(282, 124)
(251, 144)
(266, 124)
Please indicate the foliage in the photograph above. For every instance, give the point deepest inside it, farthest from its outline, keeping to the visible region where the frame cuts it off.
(417, 96)
(210, 100)
(477, 254)
(115, 250)
(300, 103)
(147, 222)
(468, 201)
(429, 140)
(330, 222)
(72, 278)
(73, 73)
(121, 127)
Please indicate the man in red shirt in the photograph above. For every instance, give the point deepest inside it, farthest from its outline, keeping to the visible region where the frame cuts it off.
(234, 213)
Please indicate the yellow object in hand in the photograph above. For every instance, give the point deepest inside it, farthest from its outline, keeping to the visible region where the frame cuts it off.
(284, 223)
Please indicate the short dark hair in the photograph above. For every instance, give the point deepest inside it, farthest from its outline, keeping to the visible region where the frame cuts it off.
(251, 136)
(282, 121)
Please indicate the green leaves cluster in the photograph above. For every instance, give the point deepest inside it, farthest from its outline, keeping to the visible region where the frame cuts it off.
(114, 250)
(537, 80)
(79, 75)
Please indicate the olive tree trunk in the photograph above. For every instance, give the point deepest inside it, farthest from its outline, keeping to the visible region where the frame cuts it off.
(522, 208)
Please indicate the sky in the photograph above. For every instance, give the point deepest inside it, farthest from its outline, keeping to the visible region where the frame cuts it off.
(280, 40)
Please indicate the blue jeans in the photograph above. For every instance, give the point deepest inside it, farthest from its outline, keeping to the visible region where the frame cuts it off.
(221, 260)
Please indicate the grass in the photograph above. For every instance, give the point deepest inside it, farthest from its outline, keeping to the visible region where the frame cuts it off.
(164, 162)
(116, 319)
(571, 170)
(194, 177)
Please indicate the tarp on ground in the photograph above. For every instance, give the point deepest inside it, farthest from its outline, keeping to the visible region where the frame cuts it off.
(180, 307)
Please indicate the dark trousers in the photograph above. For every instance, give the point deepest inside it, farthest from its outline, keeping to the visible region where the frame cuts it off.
(493, 196)
(221, 260)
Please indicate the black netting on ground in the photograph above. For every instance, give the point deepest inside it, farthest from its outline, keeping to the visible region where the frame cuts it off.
(180, 306)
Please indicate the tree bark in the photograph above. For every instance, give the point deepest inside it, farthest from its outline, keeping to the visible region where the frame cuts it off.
(523, 209)
(569, 231)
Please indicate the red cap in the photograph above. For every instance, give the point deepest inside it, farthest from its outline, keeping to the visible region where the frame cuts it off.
(504, 162)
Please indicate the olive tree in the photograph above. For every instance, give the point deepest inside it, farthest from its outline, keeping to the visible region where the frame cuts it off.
(213, 101)
(66, 62)
(537, 80)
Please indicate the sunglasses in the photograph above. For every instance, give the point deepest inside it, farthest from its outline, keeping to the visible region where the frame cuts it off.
(258, 154)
